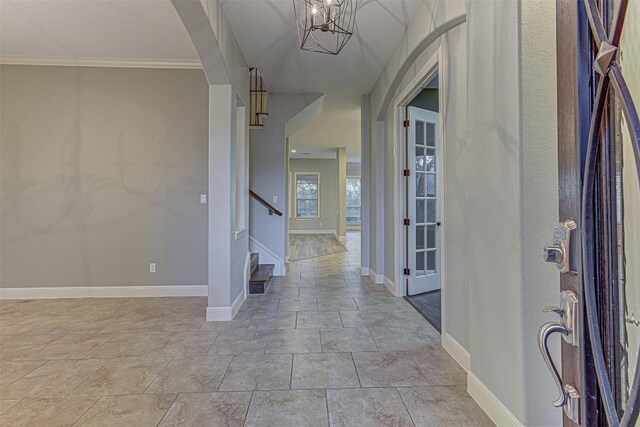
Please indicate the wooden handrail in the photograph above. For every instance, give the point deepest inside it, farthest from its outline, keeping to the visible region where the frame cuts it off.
(266, 204)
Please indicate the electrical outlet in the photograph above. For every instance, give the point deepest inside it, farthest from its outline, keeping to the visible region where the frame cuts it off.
(274, 200)
(203, 199)
(152, 267)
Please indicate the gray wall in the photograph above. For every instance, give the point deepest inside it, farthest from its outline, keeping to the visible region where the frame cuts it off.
(101, 174)
(354, 169)
(329, 203)
(268, 171)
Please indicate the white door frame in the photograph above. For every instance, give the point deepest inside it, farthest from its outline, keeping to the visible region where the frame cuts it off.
(434, 65)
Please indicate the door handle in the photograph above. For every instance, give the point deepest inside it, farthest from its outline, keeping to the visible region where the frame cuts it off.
(546, 331)
(568, 327)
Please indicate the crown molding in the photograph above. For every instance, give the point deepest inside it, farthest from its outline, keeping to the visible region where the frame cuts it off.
(99, 62)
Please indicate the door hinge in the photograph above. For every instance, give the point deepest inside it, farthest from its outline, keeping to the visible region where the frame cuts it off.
(405, 123)
(406, 172)
(407, 222)
(407, 272)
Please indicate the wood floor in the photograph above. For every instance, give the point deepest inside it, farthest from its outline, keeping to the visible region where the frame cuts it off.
(307, 246)
(428, 304)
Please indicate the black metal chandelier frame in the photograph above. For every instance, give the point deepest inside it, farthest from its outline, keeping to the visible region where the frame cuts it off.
(335, 18)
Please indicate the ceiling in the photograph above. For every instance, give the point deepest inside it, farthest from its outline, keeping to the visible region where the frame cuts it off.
(105, 29)
(267, 33)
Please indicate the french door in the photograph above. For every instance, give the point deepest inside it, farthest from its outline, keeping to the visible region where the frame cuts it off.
(596, 246)
(422, 222)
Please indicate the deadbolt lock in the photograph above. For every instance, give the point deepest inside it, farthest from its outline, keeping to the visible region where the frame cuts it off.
(558, 252)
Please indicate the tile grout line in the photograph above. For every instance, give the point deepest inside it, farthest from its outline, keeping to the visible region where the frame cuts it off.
(168, 409)
(356, 368)
(246, 414)
(326, 404)
(405, 406)
(158, 374)
(85, 412)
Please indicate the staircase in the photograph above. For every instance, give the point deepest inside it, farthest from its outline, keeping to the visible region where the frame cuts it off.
(261, 275)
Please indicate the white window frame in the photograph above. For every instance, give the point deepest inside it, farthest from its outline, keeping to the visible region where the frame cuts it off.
(295, 189)
(346, 207)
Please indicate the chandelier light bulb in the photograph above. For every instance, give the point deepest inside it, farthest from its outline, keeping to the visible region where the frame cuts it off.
(314, 10)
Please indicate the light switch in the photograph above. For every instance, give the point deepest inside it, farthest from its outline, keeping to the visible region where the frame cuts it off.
(152, 267)
(274, 200)
(203, 199)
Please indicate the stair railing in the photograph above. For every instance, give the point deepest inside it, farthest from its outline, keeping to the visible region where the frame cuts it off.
(263, 202)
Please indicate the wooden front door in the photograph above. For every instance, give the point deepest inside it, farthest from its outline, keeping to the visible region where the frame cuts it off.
(596, 245)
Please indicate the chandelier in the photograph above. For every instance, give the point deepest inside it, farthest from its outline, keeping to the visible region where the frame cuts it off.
(325, 26)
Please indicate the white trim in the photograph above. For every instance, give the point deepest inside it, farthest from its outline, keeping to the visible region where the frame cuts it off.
(268, 256)
(333, 232)
(378, 279)
(457, 351)
(295, 193)
(364, 271)
(341, 239)
(101, 62)
(225, 313)
(391, 287)
(489, 403)
(433, 65)
(104, 292)
(239, 234)
(246, 274)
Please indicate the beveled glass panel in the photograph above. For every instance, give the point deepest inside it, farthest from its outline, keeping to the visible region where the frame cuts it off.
(629, 198)
(431, 160)
(420, 159)
(431, 210)
(431, 261)
(420, 263)
(420, 218)
(431, 236)
(431, 185)
(420, 237)
(421, 179)
(419, 132)
(431, 135)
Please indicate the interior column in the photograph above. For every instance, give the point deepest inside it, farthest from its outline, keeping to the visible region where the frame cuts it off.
(342, 193)
(221, 177)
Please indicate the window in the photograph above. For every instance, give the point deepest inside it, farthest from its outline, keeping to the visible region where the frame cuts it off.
(353, 200)
(307, 195)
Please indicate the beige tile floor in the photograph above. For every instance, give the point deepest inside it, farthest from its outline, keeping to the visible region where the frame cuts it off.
(324, 346)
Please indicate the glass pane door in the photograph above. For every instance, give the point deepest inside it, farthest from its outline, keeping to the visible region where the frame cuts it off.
(423, 232)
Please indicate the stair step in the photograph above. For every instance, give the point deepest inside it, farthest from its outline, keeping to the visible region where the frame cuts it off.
(260, 279)
(254, 262)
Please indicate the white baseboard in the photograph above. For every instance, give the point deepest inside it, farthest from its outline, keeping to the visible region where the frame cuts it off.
(105, 292)
(332, 232)
(490, 404)
(457, 351)
(391, 287)
(225, 313)
(341, 239)
(364, 271)
(378, 279)
(267, 256)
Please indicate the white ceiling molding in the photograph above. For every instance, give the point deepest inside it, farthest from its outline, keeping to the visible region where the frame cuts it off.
(100, 62)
